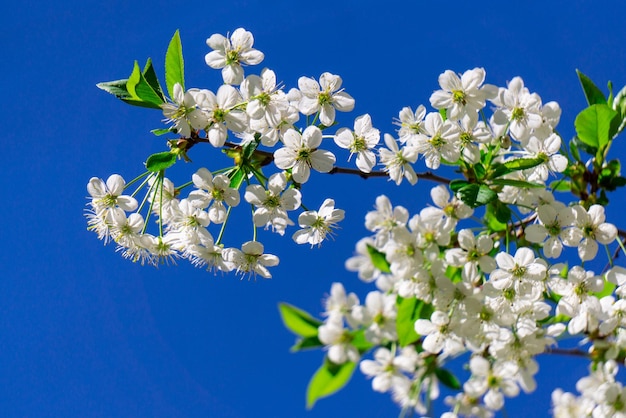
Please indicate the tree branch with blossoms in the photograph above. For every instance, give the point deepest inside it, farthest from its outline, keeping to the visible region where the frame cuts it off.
(494, 272)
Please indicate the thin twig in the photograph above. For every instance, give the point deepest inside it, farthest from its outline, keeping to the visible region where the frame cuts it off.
(566, 351)
(268, 156)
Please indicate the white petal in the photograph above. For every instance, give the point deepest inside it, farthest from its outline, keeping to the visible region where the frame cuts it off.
(252, 57)
(343, 102)
(300, 171)
(215, 59)
(217, 41)
(284, 158)
(327, 114)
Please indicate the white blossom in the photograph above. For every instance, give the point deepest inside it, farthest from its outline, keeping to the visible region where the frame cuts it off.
(464, 95)
(361, 141)
(324, 97)
(230, 53)
(301, 152)
(318, 225)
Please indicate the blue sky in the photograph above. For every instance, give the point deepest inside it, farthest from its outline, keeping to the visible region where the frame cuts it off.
(84, 332)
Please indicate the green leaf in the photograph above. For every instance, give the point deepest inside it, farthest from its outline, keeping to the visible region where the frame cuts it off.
(359, 341)
(456, 185)
(248, 149)
(497, 215)
(479, 170)
(306, 344)
(116, 88)
(454, 274)
(133, 80)
(592, 93)
(328, 379)
(468, 194)
(448, 379)
(580, 145)
(596, 125)
(573, 149)
(151, 78)
(141, 103)
(615, 183)
(560, 186)
(619, 103)
(518, 183)
(378, 259)
(174, 64)
(159, 132)
(523, 163)
(140, 90)
(409, 310)
(475, 195)
(236, 177)
(160, 161)
(136, 90)
(298, 321)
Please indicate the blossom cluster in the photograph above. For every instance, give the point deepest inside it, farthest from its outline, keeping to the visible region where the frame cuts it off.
(482, 301)
(250, 112)
(184, 222)
(602, 395)
(477, 294)
(258, 111)
(480, 273)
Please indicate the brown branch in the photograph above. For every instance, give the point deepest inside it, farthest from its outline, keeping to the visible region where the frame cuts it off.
(427, 175)
(566, 351)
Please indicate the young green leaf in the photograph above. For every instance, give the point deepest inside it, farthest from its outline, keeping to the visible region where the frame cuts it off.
(151, 78)
(140, 90)
(162, 131)
(160, 161)
(298, 321)
(236, 177)
(523, 163)
(596, 125)
(116, 88)
(573, 149)
(592, 93)
(133, 80)
(174, 64)
(468, 194)
(359, 341)
(306, 344)
(448, 379)
(517, 183)
(409, 310)
(497, 215)
(619, 104)
(498, 170)
(328, 379)
(479, 170)
(457, 184)
(577, 144)
(378, 259)
(485, 195)
(475, 195)
(560, 185)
